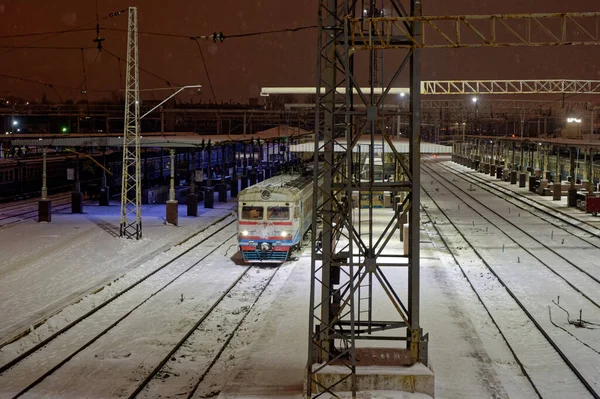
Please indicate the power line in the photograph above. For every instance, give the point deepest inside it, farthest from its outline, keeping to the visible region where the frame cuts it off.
(38, 82)
(268, 32)
(141, 69)
(54, 33)
(47, 47)
(218, 36)
(206, 70)
(79, 28)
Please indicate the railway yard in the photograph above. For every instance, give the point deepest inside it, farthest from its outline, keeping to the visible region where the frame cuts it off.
(509, 286)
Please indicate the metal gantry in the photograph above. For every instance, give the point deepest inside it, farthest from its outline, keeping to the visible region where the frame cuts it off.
(131, 194)
(495, 30)
(532, 86)
(350, 260)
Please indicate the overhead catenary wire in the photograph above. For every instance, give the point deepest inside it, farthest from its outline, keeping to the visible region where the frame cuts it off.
(82, 28)
(52, 34)
(16, 47)
(206, 70)
(56, 32)
(169, 83)
(38, 82)
(218, 36)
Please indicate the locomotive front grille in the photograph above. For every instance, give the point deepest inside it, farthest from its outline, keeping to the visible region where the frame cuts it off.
(259, 256)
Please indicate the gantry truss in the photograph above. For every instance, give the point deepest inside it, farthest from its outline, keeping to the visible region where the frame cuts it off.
(131, 194)
(444, 87)
(556, 86)
(496, 30)
(351, 265)
(352, 257)
(487, 103)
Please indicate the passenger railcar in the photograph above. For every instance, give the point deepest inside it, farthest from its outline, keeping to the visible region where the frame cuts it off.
(23, 177)
(273, 217)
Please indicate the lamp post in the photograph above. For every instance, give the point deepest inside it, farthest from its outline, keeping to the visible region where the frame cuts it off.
(44, 204)
(172, 203)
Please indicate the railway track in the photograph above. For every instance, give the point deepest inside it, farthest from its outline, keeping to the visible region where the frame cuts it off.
(523, 307)
(57, 350)
(13, 213)
(189, 362)
(564, 252)
(549, 214)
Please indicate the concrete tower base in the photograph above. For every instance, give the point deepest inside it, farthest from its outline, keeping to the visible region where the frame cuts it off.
(380, 369)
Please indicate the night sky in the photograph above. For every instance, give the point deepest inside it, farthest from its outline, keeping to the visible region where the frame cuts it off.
(240, 66)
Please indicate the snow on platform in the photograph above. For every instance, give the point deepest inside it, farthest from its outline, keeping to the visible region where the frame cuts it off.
(46, 266)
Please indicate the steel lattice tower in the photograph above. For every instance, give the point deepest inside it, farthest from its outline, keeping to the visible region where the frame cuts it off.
(131, 212)
(349, 262)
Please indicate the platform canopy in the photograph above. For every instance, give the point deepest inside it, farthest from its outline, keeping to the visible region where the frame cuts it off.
(303, 140)
(401, 146)
(154, 140)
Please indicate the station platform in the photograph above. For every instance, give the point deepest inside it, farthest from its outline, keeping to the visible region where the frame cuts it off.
(561, 206)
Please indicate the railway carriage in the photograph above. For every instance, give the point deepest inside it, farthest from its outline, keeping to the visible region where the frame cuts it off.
(273, 217)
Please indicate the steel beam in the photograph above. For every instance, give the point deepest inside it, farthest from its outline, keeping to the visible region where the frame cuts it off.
(496, 30)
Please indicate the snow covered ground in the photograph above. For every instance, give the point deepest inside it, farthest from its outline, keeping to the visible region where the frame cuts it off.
(46, 268)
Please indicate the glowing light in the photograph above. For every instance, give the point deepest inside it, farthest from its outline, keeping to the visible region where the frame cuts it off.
(402, 94)
(284, 233)
(64, 129)
(474, 99)
(573, 120)
(245, 233)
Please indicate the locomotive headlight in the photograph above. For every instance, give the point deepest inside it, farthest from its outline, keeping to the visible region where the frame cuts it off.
(284, 233)
(245, 233)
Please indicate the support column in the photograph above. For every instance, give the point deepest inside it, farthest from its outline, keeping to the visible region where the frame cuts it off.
(192, 197)
(172, 204)
(222, 187)
(492, 165)
(557, 179)
(209, 190)
(572, 199)
(104, 190)
(244, 179)
(234, 187)
(76, 196)
(44, 204)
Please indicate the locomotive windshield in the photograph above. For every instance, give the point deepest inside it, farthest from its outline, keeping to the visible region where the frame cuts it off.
(278, 213)
(252, 212)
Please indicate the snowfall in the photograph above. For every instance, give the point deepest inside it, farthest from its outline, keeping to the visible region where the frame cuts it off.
(52, 273)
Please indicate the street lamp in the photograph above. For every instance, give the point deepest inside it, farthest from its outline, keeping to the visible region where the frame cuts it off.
(168, 98)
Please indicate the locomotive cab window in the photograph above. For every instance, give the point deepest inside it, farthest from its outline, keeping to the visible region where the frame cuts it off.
(252, 212)
(278, 213)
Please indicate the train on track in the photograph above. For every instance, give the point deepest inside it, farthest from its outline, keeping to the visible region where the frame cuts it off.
(274, 217)
(23, 177)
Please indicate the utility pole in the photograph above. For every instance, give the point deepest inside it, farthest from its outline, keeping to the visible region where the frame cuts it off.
(131, 195)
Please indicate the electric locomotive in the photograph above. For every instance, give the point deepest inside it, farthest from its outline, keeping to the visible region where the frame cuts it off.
(273, 217)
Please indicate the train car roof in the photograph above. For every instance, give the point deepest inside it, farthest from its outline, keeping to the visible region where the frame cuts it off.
(285, 182)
